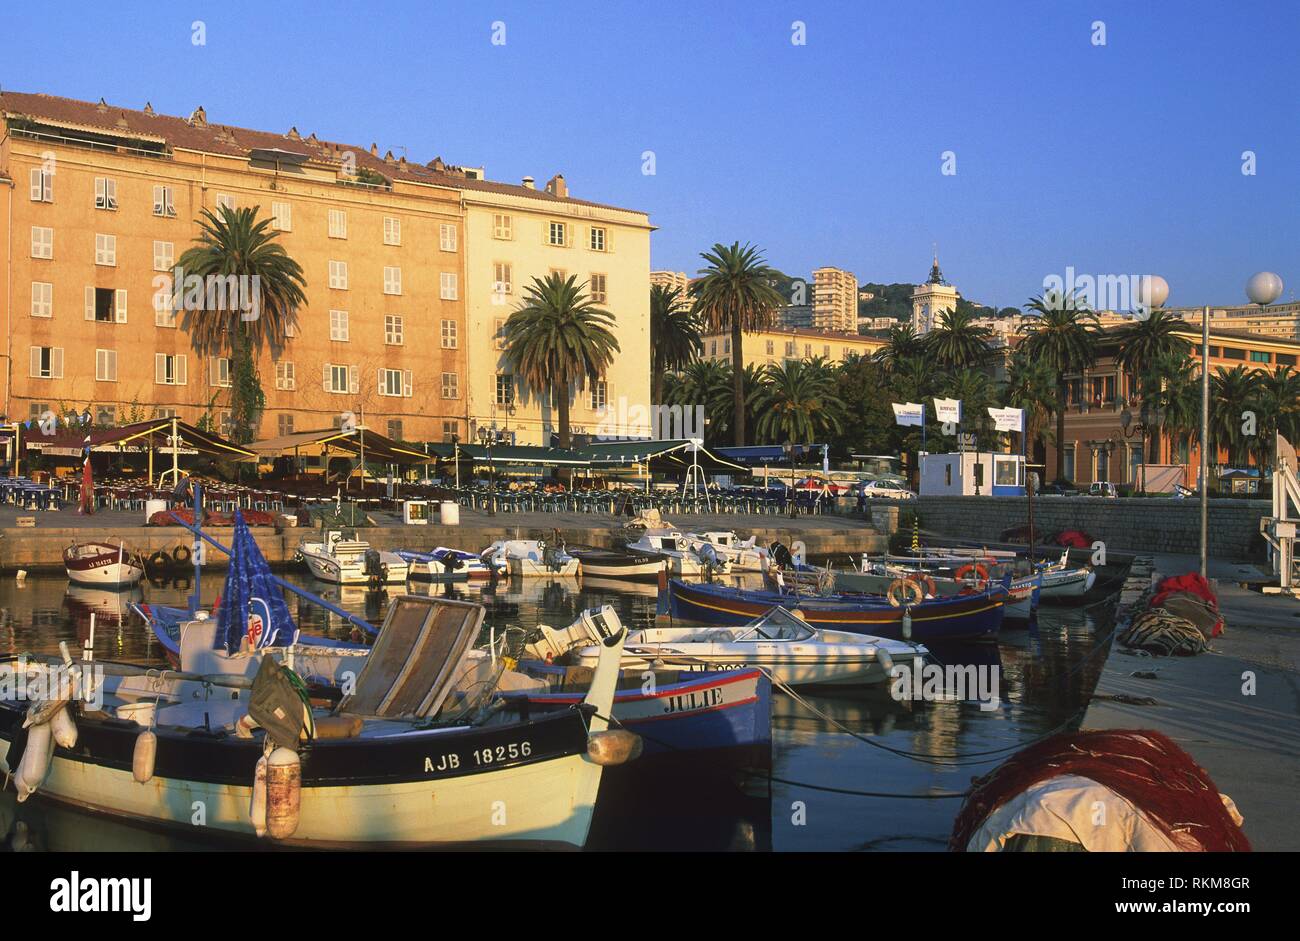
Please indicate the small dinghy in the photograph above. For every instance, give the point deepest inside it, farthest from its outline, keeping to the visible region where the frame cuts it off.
(343, 559)
(617, 564)
(781, 643)
(103, 564)
(443, 565)
(1064, 583)
(530, 558)
(675, 550)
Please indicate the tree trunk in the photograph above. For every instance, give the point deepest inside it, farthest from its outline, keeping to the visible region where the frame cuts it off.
(562, 406)
(656, 388)
(1060, 440)
(738, 384)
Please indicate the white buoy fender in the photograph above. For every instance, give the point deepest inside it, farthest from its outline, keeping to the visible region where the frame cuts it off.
(907, 623)
(144, 755)
(64, 728)
(257, 803)
(283, 793)
(884, 658)
(35, 763)
(613, 747)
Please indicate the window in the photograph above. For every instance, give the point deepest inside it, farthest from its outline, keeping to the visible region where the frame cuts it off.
(789, 347)
(505, 389)
(106, 365)
(450, 431)
(1005, 472)
(42, 185)
(1069, 462)
(1285, 359)
(393, 329)
(599, 394)
(106, 415)
(42, 242)
(164, 311)
(395, 382)
(447, 283)
(163, 204)
(47, 362)
(597, 242)
(392, 230)
(726, 346)
(169, 369)
(284, 425)
(38, 410)
(1101, 465)
(163, 412)
(392, 280)
(501, 278)
(1134, 462)
(1258, 356)
(559, 272)
(450, 385)
(338, 224)
(339, 275)
(105, 192)
(447, 237)
(598, 295)
(42, 299)
(340, 379)
(106, 250)
(713, 347)
(450, 337)
(502, 227)
(284, 376)
(106, 305)
(226, 423)
(395, 429)
(556, 234)
(826, 351)
(282, 221)
(219, 372)
(1233, 352)
(339, 325)
(164, 256)
(499, 334)
(225, 201)
(771, 347)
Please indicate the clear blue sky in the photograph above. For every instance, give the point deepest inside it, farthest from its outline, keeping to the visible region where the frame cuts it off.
(1117, 159)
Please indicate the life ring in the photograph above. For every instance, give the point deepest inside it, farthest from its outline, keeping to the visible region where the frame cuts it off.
(981, 573)
(925, 581)
(901, 589)
(182, 555)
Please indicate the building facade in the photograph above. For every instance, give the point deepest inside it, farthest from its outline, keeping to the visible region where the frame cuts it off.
(784, 345)
(931, 299)
(672, 279)
(835, 299)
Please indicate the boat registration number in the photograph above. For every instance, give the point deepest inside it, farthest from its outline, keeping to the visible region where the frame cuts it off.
(478, 757)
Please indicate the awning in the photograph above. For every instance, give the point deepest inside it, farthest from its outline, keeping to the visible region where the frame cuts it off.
(762, 455)
(511, 454)
(156, 435)
(378, 448)
(672, 453)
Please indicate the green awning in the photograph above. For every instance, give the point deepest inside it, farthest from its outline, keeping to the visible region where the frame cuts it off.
(511, 454)
(671, 453)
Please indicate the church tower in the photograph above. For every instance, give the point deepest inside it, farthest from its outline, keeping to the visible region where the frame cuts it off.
(931, 299)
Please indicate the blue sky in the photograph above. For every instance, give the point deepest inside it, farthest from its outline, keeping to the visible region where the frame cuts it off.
(1116, 159)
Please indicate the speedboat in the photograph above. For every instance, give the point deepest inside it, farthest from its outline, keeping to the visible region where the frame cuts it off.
(674, 549)
(443, 564)
(103, 564)
(530, 558)
(741, 555)
(780, 642)
(616, 564)
(346, 560)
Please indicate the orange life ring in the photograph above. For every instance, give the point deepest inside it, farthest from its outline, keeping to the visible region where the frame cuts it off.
(901, 589)
(925, 581)
(978, 568)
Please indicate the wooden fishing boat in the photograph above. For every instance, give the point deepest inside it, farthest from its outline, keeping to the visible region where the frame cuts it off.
(617, 564)
(343, 559)
(103, 564)
(966, 617)
(674, 550)
(443, 564)
(530, 558)
(874, 578)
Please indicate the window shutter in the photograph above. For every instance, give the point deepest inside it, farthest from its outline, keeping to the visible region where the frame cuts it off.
(325, 377)
(213, 378)
(353, 385)
(406, 383)
(90, 303)
(181, 378)
(381, 382)
(120, 312)
(35, 370)
(56, 363)
(160, 368)
(36, 180)
(101, 192)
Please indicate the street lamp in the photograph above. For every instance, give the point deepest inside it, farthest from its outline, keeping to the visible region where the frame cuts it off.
(489, 437)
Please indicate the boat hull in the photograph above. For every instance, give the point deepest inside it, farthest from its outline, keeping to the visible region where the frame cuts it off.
(112, 567)
(1068, 584)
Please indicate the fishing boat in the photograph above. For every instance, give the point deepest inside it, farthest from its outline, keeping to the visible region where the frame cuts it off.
(617, 564)
(343, 559)
(741, 555)
(443, 564)
(974, 616)
(1063, 582)
(103, 564)
(530, 558)
(781, 643)
(415, 732)
(674, 550)
(939, 581)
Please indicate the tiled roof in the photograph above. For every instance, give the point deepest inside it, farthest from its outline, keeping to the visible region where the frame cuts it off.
(200, 135)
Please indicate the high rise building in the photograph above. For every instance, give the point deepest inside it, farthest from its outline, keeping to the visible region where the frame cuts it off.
(835, 299)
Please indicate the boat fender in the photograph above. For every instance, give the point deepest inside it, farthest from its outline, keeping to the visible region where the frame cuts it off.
(244, 726)
(181, 555)
(907, 623)
(35, 763)
(257, 800)
(901, 589)
(159, 561)
(884, 658)
(42, 711)
(64, 728)
(283, 793)
(613, 747)
(144, 756)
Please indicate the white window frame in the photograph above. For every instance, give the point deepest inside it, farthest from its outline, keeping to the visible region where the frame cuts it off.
(394, 330)
(340, 329)
(451, 384)
(551, 227)
(281, 217)
(598, 240)
(502, 277)
(169, 363)
(37, 364)
(338, 224)
(42, 299)
(164, 255)
(219, 372)
(338, 279)
(42, 242)
(335, 371)
(599, 394)
(601, 296)
(164, 311)
(226, 201)
(449, 334)
(448, 286)
(119, 305)
(42, 185)
(285, 378)
(106, 250)
(284, 424)
(399, 379)
(447, 237)
(106, 365)
(503, 226)
(392, 230)
(106, 193)
(509, 387)
(164, 204)
(393, 280)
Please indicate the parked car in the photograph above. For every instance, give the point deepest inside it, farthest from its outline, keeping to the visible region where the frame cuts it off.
(1102, 488)
(886, 490)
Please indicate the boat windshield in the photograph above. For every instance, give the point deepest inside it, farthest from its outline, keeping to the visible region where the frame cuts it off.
(777, 624)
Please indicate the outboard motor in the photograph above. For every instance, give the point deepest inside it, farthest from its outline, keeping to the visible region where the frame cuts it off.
(709, 556)
(375, 567)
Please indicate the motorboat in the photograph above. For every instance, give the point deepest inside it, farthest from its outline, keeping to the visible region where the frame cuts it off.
(741, 555)
(780, 642)
(674, 549)
(443, 564)
(103, 564)
(530, 558)
(343, 559)
(617, 564)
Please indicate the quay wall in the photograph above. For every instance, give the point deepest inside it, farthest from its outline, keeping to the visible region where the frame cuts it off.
(1127, 524)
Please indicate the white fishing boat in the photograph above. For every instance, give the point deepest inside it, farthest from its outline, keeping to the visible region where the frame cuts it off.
(103, 564)
(530, 558)
(443, 564)
(617, 564)
(344, 559)
(780, 642)
(673, 548)
(741, 555)
(1062, 582)
(410, 758)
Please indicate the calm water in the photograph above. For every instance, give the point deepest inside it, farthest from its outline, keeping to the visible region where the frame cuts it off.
(1047, 673)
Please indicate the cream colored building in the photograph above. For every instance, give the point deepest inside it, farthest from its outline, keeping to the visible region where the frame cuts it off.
(782, 345)
(671, 279)
(835, 299)
(517, 233)
(931, 299)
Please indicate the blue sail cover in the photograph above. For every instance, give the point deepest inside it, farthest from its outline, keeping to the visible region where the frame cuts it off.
(252, 605)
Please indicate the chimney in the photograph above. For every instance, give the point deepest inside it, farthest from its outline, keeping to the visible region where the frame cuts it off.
(528, 183)
(293, 134)
(557, 187)
(199, 118)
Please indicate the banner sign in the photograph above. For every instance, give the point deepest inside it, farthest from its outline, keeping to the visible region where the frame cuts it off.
(908, 413)
(1008, 419)
(948, 410)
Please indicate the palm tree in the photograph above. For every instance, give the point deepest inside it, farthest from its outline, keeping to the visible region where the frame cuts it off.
(1279, 406)
(674, 335)
(1143, 342)
(234, 243)
(1232, 392)
(736, 293)
(903, 344)
(558, 338)
(796, 402)
(1064, 338)
(1172, 397)
(705, 382)
(1032, 386)
(975, 390)
(957, 342)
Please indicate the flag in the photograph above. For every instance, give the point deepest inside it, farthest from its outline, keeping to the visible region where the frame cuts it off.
(909, 413)
(948, 410)
(1008, 419)
(86, 505)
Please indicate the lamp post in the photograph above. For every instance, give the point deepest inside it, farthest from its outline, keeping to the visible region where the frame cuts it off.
(489, 437)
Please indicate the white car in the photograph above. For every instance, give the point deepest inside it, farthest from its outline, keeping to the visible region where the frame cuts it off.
(886, 490)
